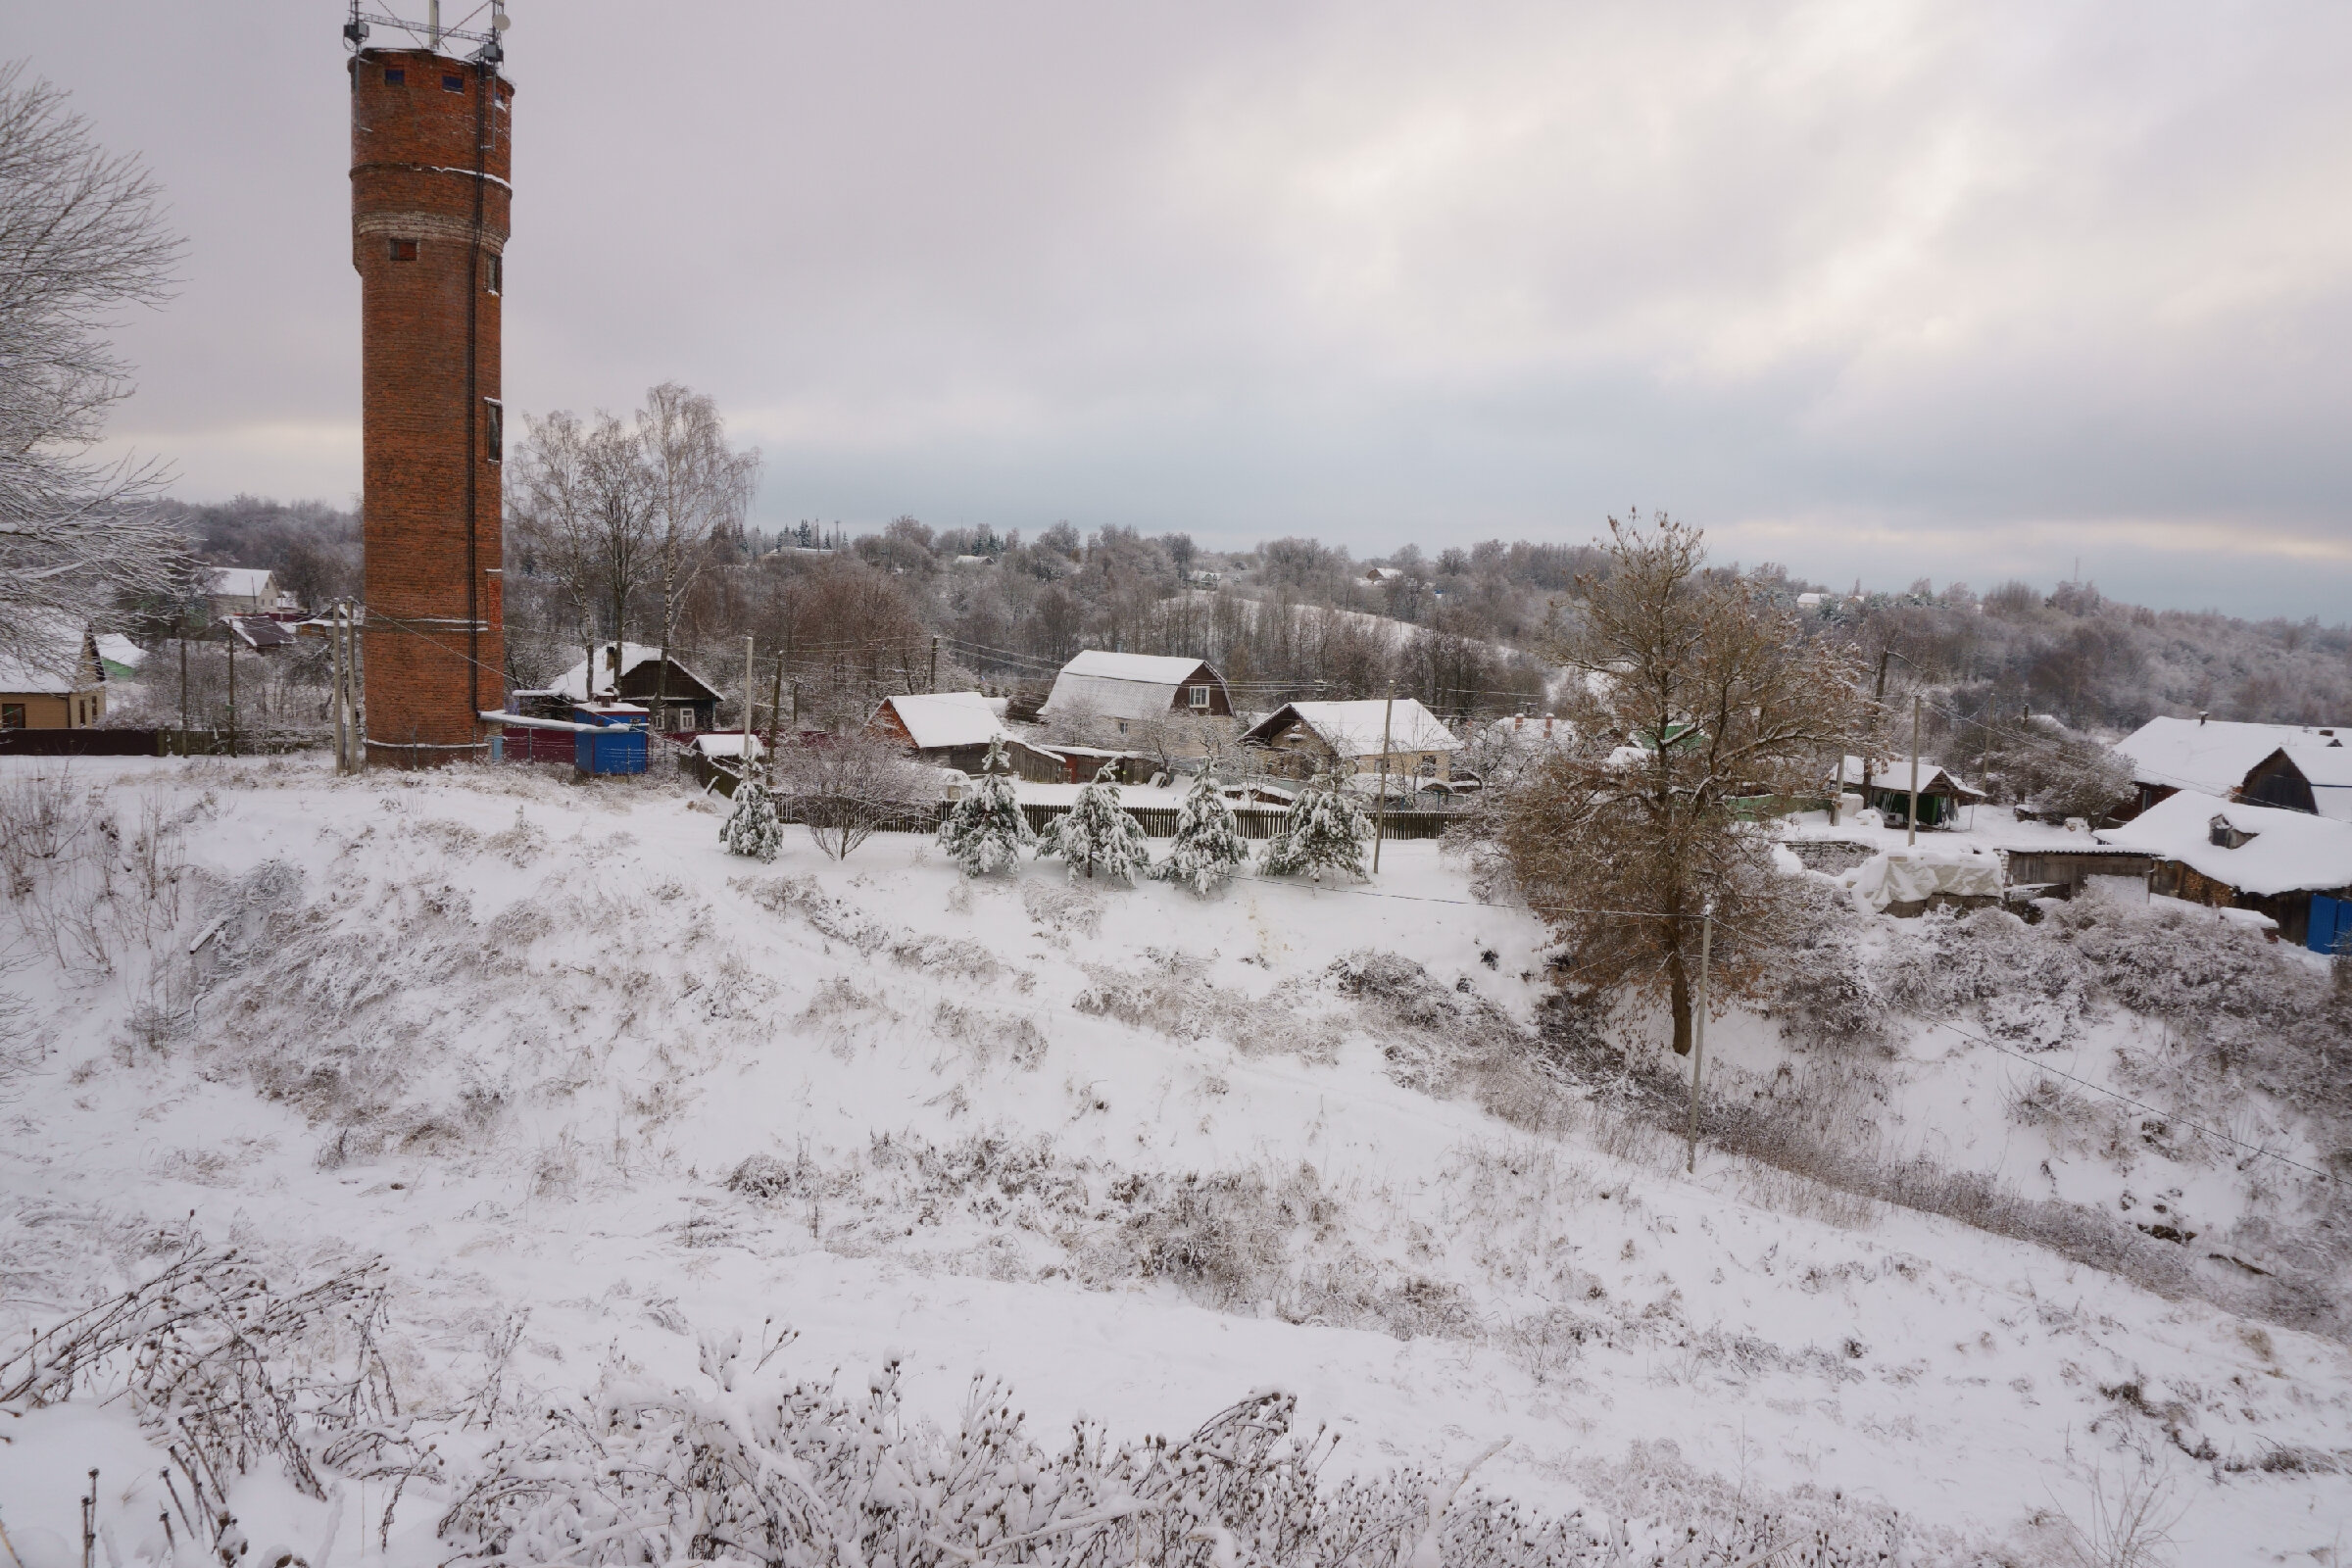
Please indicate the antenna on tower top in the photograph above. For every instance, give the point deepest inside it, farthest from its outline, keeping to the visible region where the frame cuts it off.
(492, 46)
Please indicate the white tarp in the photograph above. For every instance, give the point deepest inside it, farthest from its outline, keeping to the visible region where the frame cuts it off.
(1907, 876)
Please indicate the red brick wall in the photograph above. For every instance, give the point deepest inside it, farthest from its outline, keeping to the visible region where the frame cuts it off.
(435, 634)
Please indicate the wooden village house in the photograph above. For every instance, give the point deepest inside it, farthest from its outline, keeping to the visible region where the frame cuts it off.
(1124, 694)
(1942, 793)
(1300, 739)
(632, 672)
(55, 682)
(2293, 866)
(954, 729)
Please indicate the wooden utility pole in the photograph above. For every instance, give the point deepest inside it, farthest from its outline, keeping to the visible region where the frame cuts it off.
(1699, 1034)
(1379, 819)
(933, 684)
(230, 642)
(1911, 828)
(183, 685)
(747, 708)
(1878, 699)
(775, 716)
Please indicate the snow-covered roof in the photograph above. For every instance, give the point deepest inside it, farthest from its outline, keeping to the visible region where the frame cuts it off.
(949, 718)
(2327, 766)
(574, 682)
(1894, 773)
(2284, 851)
(241, 582)
(1353, 729)
(717, 745)
(259, 632)
(54, 659)
(1138, 686)
(2211, 757)
(117, 648)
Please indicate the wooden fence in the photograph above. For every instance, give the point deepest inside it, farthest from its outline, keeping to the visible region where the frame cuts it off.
(155, 742)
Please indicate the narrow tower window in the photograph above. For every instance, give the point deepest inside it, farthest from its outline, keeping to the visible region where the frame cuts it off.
(404, 250)
(495, 275)
(395, 77)
(497, 429)
(453, 83)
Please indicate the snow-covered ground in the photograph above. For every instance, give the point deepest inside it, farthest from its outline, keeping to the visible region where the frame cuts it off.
(577, 1074)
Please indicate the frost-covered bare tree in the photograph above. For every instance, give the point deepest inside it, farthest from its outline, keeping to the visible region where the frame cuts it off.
(82, 239)
(701, 487)
(584, 496)
(1698, 694)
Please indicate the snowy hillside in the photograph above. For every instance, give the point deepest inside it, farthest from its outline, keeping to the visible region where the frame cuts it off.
(599, 1095)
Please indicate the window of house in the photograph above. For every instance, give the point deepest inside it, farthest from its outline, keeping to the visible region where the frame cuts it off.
(395, 77)
(1199, 697)
(11, 716)
(496, 429)
(496, 276)
(404, 250)
(453, 83)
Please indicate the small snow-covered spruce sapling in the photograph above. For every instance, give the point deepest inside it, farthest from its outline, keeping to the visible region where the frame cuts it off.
(1095, 834)
(986, 831)
(1324, 830)
(752, 828)
(1208, 846)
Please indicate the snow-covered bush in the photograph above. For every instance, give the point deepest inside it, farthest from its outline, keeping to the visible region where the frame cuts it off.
(809, 1475)
(753, 827)
(1097, 834)
(1324, 830)
(228, 1371)
(986, 831)
(1208, 846)
(846, 788)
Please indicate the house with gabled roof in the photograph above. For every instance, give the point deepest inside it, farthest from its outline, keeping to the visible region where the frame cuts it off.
(2293, 866)
(51, 677)
(956, 730)
(1345, 738)
(2212, 757)
(1127, 692)
(631, 672)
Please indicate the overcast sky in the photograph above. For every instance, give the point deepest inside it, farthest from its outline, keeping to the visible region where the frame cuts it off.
(1876, 290)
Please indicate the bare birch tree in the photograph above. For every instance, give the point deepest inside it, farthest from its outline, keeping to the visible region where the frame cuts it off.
(1697, 695)
(701, 486)
(585, 494)
(81, 238)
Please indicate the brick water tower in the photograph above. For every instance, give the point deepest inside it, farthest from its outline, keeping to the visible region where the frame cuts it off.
(431, 152)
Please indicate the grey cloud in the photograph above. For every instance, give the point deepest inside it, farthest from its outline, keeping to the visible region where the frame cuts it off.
(1888, 289)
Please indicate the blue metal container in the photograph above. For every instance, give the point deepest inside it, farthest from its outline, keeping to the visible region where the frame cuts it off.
(617, 745)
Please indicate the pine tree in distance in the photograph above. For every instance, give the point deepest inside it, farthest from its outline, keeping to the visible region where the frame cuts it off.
(752, 828)
(1208, 846)
(1324, 830)
(986, 831)
(1097, 834)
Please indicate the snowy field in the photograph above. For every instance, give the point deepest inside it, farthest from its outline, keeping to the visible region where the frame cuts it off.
(591, 1088)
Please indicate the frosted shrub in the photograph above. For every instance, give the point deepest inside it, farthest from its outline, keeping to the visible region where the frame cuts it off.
(752, 828)
(1097, 833)
(1324, 830)
(986, 830)
(225, 1371)
(809, 1475)
(1208, 846)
